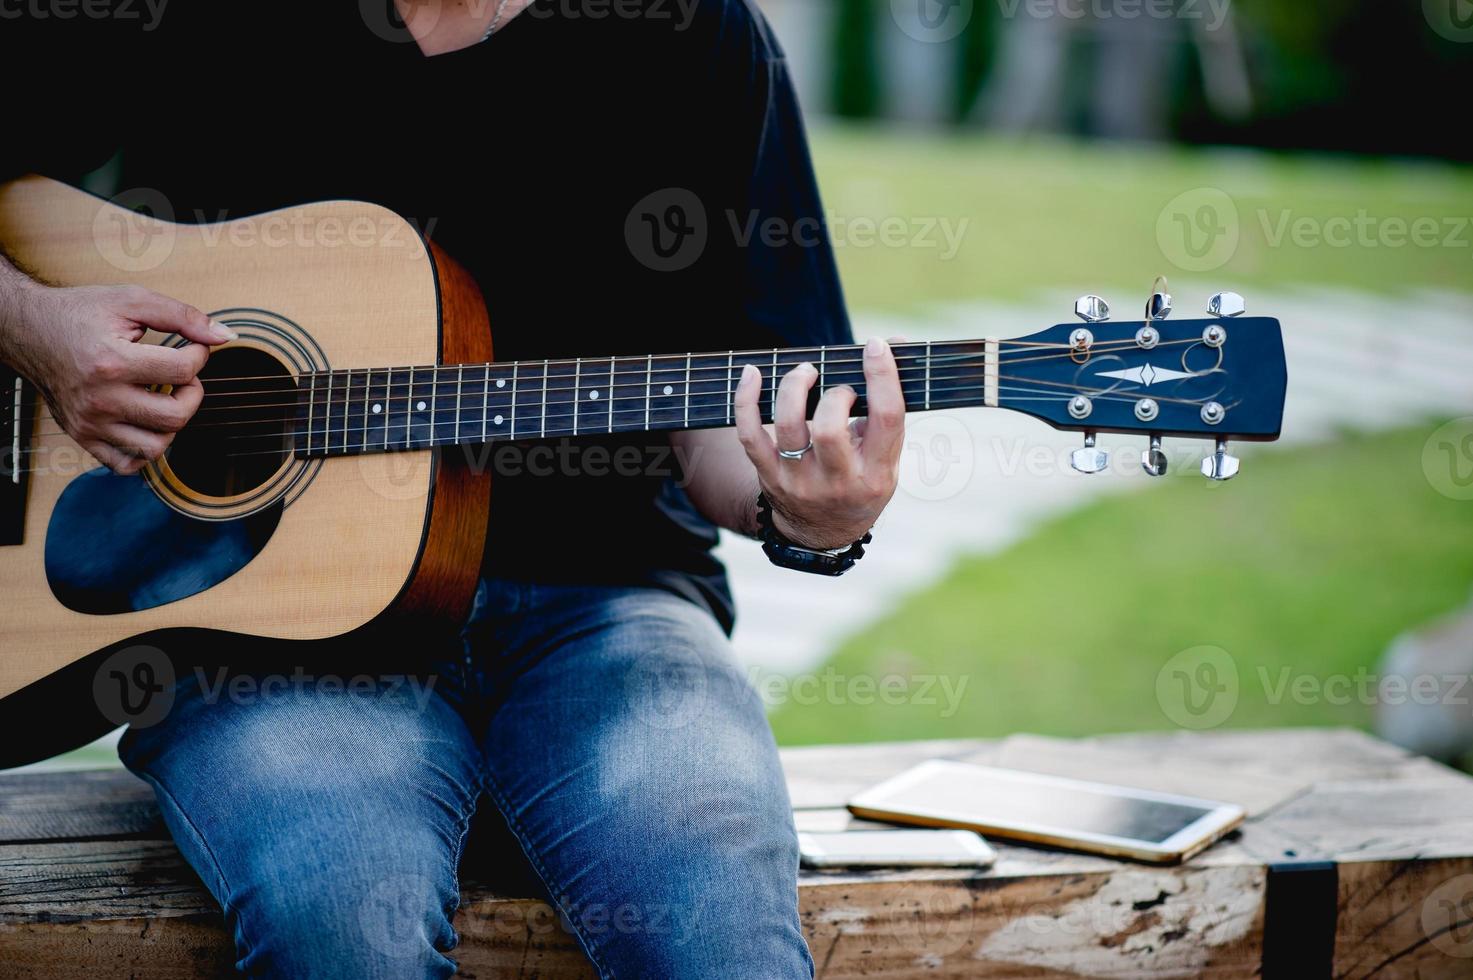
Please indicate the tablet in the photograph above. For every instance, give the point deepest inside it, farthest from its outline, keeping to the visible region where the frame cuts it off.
(1075, 814)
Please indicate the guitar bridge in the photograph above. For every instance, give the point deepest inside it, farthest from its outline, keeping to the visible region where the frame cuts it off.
(17, 413)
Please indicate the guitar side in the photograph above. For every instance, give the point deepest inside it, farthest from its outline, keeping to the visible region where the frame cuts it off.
(370, 541)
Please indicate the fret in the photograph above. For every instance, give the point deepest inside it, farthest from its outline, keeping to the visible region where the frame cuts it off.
(649, 385)
(485, 399)
(687, 391)
(528, 399)
(542, 425)
(785, 360)
(499, 406)
(409, 411)
(577, 396)
(380, 409)
(760, 360)
(730, 390)
(666, 393)
(513, 412)
(327, 418)
(772, 401)
(347, 406)
(708, 399)
(927, 402)
(311, 407)
(445, 397)
(367, 397)
(630, 405)
(915, 374)
(560, 399)
(459, 397)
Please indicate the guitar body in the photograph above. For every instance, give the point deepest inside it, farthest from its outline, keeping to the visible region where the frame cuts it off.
(295, 549)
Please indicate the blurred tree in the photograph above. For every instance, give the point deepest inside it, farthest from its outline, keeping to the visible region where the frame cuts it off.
(856, 72)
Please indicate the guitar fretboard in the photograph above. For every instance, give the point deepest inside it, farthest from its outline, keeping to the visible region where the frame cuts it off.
(389, 409)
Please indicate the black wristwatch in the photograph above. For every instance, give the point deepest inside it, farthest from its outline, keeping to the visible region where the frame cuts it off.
(785, 554)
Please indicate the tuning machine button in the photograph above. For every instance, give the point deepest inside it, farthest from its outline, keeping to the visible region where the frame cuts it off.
(1089, 459)
(1091, 309)
(1158, 307)
(1226, 304)
(1153, 460)
(1220, 466)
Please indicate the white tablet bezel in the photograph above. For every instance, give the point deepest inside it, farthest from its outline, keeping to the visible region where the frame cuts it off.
(885, 802)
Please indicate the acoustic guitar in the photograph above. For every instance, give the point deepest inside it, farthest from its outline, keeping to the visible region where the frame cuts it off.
(317, 492)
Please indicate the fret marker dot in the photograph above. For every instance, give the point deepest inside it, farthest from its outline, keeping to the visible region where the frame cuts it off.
(419, 406)
(497, 420)
(501, 382)
(377, 408)
(669, 390)
(593, 395)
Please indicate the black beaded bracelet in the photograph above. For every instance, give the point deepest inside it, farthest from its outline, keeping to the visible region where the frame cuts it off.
(817, 561)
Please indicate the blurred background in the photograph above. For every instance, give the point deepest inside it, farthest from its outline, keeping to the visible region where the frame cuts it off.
(1313, 157)
(983, 162)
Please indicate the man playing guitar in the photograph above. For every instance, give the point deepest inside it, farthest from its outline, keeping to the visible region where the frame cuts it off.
(591, 697)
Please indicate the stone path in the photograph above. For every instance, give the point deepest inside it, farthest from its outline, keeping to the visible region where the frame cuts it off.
(975, 480)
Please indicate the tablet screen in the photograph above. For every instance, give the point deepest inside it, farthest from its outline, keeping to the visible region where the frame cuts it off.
(995, 798)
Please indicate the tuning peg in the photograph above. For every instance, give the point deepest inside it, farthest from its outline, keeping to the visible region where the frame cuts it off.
(1091, 309)
(1227, 304)
(1158, 307)
(1220, 466)
(1089, 459)
(1153, 460)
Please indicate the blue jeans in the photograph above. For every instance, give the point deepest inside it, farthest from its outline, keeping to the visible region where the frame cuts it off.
(624, 750)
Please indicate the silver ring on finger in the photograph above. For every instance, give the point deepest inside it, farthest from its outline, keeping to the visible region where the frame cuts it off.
(795, 453)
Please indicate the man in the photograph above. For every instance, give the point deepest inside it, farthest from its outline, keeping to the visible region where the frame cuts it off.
(591, 697)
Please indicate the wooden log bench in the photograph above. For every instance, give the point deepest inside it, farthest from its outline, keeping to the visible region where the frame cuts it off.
(1357, 861)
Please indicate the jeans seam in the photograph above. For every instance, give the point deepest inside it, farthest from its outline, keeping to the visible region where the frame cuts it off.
(204, 845)
(493, 789)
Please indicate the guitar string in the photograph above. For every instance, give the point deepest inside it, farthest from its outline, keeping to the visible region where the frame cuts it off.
(597, 410)
(765, 352)
(438, 442)
(1065, 350)
(468, 385)
(1111, 394)
(583, 365)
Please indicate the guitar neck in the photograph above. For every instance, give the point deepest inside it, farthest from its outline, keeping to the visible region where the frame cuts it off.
(351, 412)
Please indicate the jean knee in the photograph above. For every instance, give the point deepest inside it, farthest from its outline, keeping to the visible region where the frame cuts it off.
(361, 922)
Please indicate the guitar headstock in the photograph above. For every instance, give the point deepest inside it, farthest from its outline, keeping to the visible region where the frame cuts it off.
(1221, 377)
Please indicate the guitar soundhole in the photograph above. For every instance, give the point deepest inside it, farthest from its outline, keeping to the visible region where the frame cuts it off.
(242, 432)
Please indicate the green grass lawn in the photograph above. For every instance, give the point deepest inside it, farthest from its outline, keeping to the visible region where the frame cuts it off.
(1306, 566)
(1084, 216)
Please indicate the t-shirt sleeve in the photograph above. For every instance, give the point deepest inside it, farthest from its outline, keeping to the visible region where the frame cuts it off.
(793, 286)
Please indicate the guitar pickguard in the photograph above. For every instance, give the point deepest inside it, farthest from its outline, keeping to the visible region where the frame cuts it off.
(113, 546)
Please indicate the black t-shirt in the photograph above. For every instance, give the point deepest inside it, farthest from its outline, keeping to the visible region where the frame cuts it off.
(531, 158)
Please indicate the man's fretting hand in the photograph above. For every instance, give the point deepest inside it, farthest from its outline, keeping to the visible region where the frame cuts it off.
(832, 495)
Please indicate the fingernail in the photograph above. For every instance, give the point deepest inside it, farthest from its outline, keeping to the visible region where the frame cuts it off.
(875, 347)
(749, 371)
(807, 366)
(224, 333)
